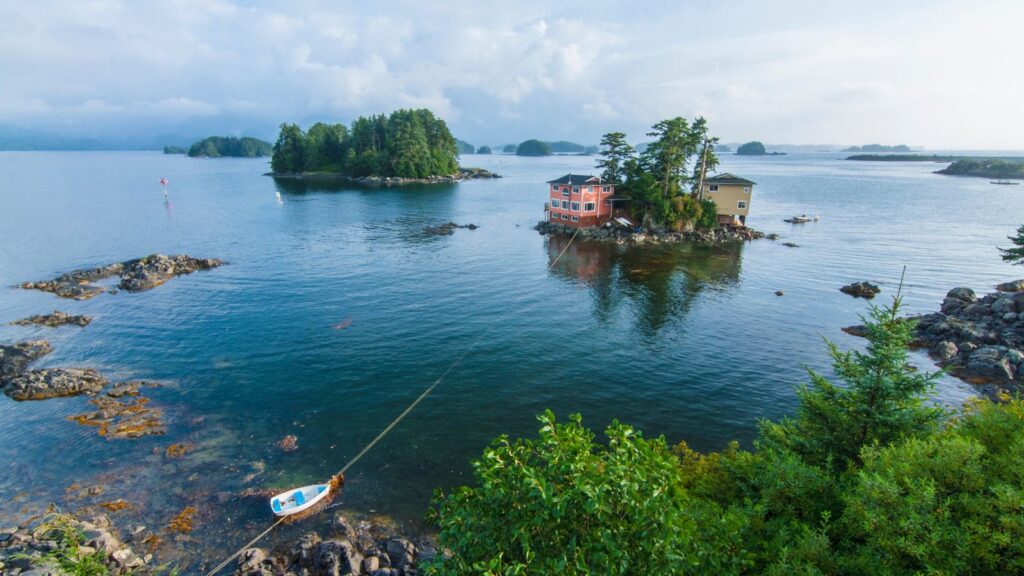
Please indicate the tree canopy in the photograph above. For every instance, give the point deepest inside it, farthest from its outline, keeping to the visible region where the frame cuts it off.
(406, 143)
(483, 150)
(533, 148)
(174, 150)
(986, 168)
(217, 146)
(1015, 254)
(509, 149)
(662, 180)
(754, 148)
(868, 479)
(465, 147)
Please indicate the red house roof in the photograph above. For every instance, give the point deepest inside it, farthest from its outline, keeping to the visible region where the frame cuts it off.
(575, 179)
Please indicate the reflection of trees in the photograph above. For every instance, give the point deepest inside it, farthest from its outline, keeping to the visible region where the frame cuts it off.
(662, 282)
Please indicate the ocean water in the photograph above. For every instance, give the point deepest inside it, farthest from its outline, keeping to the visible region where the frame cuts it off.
(336, 310)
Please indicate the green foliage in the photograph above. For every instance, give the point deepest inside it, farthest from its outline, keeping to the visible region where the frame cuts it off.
(483, 150)
(864, 480)
(464, 147)
(1015, 255)
(986, 167)
(566, 147)
(754, 148)
(882, 399)
(708, 214)
(217, 146)
(509, 149)
(174, 150)
(615, 152)
(67, 555)
(406, 143)
(533, 148)
(563, 504)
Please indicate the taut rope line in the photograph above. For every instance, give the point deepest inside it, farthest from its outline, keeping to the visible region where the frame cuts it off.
(394, 422)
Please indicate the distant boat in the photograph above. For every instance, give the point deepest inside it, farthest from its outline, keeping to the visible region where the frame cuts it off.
(1004, 182)
(801, 219)
(299, 499)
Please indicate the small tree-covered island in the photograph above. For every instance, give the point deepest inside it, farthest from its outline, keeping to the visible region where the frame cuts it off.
(229, 147)
(406, 146)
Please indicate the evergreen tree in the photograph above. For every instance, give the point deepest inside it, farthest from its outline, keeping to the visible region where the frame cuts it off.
(707, 160)
(882, 401)
(1015, 255)
(615, 151)
(289, 150)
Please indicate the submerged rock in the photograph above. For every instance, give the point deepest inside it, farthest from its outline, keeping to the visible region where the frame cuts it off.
(57, 318)
(448, 228)
(865, 290)
(135, 275)
(129, 419)
(54, 383)
(15, 358)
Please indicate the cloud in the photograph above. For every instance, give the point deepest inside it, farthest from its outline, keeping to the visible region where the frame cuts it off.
(806, 72)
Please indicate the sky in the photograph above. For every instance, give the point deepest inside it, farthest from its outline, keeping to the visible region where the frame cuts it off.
(937, 74)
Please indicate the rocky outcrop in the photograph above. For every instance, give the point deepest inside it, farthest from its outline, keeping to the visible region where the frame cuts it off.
(54, 383)
(135, 275)
(448, 228)
(1014, 286)
(28, 550)
(865, 290)
(152, 271)
(364, 549)
(462, 174)
(57, 318)
(15, 358)
(623, 236)
(980, 340)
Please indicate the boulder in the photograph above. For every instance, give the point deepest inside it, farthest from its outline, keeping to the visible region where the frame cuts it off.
(337, 557)
(945, 350)
(989, 363)
(864, 289)
(401, 552)
(1014, 286)
(1004, 305)
(54, 383)
(963, 294)
(14, 359)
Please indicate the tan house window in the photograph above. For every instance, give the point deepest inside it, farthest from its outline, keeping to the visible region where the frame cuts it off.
(741, 204)
(713, 188)
(589, 206)
(746, 189)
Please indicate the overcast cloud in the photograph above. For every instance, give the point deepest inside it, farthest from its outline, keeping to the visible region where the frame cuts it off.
(938, 74)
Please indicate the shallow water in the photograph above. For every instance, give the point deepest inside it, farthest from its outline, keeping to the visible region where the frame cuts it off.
(336, 310)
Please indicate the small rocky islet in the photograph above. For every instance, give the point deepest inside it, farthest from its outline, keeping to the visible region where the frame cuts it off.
(462, 175)
(135, 275)
(623, 236)
(978, 339)
(54, 319)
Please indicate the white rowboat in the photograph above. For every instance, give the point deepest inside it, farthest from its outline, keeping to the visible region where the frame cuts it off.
(298, 499)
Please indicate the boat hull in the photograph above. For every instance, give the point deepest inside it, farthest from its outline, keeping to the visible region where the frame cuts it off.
(298, 499)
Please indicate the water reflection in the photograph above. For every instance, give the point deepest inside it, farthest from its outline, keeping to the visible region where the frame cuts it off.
(298, 187)
(661, 282)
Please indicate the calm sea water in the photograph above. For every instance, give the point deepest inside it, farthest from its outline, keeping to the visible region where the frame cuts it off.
(687, 342)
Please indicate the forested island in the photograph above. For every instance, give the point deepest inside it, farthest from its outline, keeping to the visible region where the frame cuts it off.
(903, 158)
(878, 148)
(986, 168)
(228, 146)
(534, 147)
(755, 148)
(174, 150)
(404, 146)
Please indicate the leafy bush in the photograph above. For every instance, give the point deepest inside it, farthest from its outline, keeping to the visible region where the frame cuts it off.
(865, 479)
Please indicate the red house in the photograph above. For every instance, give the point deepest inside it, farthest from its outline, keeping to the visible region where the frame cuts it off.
(580, 201)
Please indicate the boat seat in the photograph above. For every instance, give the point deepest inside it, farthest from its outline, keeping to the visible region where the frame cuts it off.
(299, 498)
(276, 505)
(320, 489)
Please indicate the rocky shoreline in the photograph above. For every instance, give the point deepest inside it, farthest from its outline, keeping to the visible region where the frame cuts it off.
(57, 318)
(979, 340)
(135, 275)
(360, 549)
(623, 236)
(461, 175)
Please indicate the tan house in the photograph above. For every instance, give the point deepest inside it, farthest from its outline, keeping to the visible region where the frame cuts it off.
(732, 197)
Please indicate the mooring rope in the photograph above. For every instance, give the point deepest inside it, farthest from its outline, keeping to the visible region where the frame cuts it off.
(394, 422)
